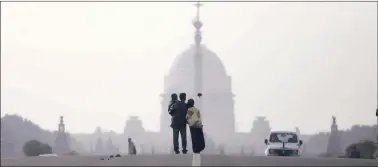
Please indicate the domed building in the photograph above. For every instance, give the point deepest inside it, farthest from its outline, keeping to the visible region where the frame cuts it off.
(196, 70)
(200, 70)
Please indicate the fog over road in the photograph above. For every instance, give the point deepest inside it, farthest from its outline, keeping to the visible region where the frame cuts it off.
(184, 160)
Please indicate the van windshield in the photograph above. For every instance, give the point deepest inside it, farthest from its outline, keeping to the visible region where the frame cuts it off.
(283, 137)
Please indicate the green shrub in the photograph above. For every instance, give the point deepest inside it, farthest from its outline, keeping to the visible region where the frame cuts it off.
(366, 148)
(36, 148)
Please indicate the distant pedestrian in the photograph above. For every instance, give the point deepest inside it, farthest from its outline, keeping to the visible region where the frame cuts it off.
(179, 124)
(195, 125)
(132, 148)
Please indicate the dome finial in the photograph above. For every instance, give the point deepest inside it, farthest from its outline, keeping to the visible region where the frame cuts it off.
(197, 24)
(198, 5)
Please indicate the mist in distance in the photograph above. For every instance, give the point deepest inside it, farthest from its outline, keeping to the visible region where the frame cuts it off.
(99, 63)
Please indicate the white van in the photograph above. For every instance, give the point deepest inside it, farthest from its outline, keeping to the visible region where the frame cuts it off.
(283, 143)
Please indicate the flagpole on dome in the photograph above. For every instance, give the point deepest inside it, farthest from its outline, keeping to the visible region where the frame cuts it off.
(198, 57)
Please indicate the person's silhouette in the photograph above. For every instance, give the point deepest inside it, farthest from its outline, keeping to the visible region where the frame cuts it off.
(132, 148)
(179, 124)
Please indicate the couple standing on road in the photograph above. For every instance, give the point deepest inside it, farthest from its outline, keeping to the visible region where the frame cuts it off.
(186, 113)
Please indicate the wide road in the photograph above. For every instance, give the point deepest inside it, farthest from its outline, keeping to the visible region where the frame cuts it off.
(184, 160)
(239, 160)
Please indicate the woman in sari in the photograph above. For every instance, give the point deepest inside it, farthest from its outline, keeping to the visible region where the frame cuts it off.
(194, 121)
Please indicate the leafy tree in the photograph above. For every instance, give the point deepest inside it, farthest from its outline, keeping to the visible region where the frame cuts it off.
(18, 131)
(366, 148)
(36, 148)
(32, 148)
(45, 149)
(317, 143)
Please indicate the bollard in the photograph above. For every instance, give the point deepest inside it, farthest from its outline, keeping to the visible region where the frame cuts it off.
(376, 152)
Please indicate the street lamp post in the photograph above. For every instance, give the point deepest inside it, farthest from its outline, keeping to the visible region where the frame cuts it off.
(376, 114)
(376, 152)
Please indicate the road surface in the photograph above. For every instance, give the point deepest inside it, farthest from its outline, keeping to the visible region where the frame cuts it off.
(184, 160)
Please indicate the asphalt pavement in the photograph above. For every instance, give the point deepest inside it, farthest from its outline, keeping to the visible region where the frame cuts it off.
(240, 160)
(184, 160)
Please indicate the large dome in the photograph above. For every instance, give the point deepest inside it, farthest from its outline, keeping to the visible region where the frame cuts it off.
(182, 73)
(184, 63)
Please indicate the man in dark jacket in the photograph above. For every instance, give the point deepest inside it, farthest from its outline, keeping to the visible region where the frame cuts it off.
(179, 124)
(172, 106)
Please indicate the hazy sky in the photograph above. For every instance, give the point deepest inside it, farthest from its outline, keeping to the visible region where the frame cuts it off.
(98, 63)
